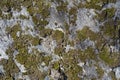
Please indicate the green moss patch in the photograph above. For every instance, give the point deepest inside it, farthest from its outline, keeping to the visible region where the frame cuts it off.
(58, 36)
(85, 33)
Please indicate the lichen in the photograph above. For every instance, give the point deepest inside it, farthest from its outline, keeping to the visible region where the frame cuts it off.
(58, 36)
(73, 38)
(81, 34)
(110, 59)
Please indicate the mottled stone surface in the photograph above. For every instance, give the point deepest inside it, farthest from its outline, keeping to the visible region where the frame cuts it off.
(59, 40)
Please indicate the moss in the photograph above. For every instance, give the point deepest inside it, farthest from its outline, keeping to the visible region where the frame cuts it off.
(27, 3)
(113, 75)
(23, 57)
(59, 50)
(100, 72)
(0, 13)
(45, 32)
(73, 73)
(71, 68)
(41, 8)
(93, 4)
(105, 57)
(87, 54)
(6, 16)
(32, 62)
(43, 23)
(73, 18)
(73, 11)
(70, 61)
(9, 66)
(109, 1)
(13, 30)
(73, 15)
(109, 59)
(66, 25)
(25, 41)
(35, 41)
(110, 12)
(56, 65)
(35, 74)
(85, 33)
(71, 43)
(90, 53)
(58, 36)
(106, 14)
(28, 60)
(47, 59)
(31, 10)
(23, 17)
(7, 78)
(80, 55)
(45, 13)
(62, 6)
(101, 16)
(109, 29)
(11, 4)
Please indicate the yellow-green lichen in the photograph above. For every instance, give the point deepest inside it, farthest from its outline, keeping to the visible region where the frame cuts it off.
(108, 58)
(13, 31)
(58, 36)
(59, 50)
(86, 33)
(62, 6)
(45, 32)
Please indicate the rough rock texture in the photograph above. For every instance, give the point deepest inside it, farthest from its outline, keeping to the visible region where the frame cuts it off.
(60, 40)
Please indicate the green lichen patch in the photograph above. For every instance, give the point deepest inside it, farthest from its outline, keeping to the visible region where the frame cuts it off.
(45, 32)
(66, 25)
(105, 14)
(101, 16)
(59, 50)
(70, 61)
(23, 17)
(87, 54)
(27, 3)
(110, 12)
(91, 4)
(39, 12)
(62, 6)
(100, 72)
(109, 58)
(113, 75)
(31, 62)
(35, 41)
(9, 4)
(73, 72)
(109, 1)
(85, 33)
(13, 31)
(73, 15)
(9, 66)
(47, 60)
(109, 29)
(56, 65)
(58, 36)
(71, 42)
